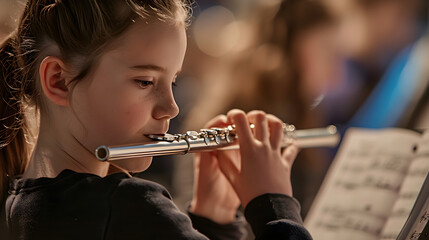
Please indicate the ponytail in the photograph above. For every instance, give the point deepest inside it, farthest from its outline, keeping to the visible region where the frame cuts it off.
(13, 146)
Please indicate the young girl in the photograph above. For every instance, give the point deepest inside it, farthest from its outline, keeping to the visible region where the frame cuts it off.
(101, 72)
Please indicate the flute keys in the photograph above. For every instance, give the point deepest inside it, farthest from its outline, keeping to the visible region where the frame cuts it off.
(193, 135)
(227, 137)
(211, 134)
(205, 135)
(217, 135)
(288, 128)
(220, 134)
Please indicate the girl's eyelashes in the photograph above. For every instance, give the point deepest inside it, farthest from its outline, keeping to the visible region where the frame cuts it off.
(143, 83)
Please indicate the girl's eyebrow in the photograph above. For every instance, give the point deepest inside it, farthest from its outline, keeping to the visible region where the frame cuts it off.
(149, 67)
(152, 67)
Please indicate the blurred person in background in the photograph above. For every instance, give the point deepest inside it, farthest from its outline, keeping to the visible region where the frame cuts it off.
(386, 46)
(286, 58)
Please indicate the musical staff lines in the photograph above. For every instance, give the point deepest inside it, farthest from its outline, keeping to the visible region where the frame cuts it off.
(363, 184)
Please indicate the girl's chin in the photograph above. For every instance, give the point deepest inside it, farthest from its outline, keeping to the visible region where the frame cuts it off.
(134, 164)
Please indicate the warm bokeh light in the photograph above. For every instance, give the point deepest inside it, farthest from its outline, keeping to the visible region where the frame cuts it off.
(216, 31)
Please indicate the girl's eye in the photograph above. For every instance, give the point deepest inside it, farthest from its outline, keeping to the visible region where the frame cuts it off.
(143, 83)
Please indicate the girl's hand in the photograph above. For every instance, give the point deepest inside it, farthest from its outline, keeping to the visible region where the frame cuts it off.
(264, 168)
(214, 197)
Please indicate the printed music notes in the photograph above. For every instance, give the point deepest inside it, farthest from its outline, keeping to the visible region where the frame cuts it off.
(371, 185)
(409, 191)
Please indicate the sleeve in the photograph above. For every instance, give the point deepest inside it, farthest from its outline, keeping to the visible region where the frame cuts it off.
(276, 216)
(215, 231)
(144, 210)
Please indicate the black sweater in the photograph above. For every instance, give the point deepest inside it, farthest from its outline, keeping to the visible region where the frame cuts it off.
(85, 206)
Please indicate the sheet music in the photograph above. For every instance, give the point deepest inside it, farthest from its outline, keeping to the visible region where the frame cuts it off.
(362, 184)
(409, 190)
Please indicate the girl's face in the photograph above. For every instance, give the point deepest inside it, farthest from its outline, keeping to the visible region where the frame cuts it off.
(129, 94)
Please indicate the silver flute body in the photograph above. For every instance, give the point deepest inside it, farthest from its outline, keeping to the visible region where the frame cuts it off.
(213, 139)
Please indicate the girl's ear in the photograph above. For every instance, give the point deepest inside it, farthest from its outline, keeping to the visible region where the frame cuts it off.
(53, 81)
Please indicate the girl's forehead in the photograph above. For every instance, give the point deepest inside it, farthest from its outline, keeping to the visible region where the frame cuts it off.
(146, 33)
(147, 42)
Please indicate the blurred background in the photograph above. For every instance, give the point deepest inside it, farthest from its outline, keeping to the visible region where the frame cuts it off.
(351, 63)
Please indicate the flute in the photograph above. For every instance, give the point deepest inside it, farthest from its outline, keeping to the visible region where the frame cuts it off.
(213, 139)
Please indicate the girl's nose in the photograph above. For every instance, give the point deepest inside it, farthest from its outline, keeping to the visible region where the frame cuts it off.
(166, 107)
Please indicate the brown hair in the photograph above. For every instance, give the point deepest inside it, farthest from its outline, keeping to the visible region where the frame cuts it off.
(77, 32)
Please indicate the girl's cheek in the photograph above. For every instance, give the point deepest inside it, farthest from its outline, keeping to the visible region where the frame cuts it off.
(132, 119)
